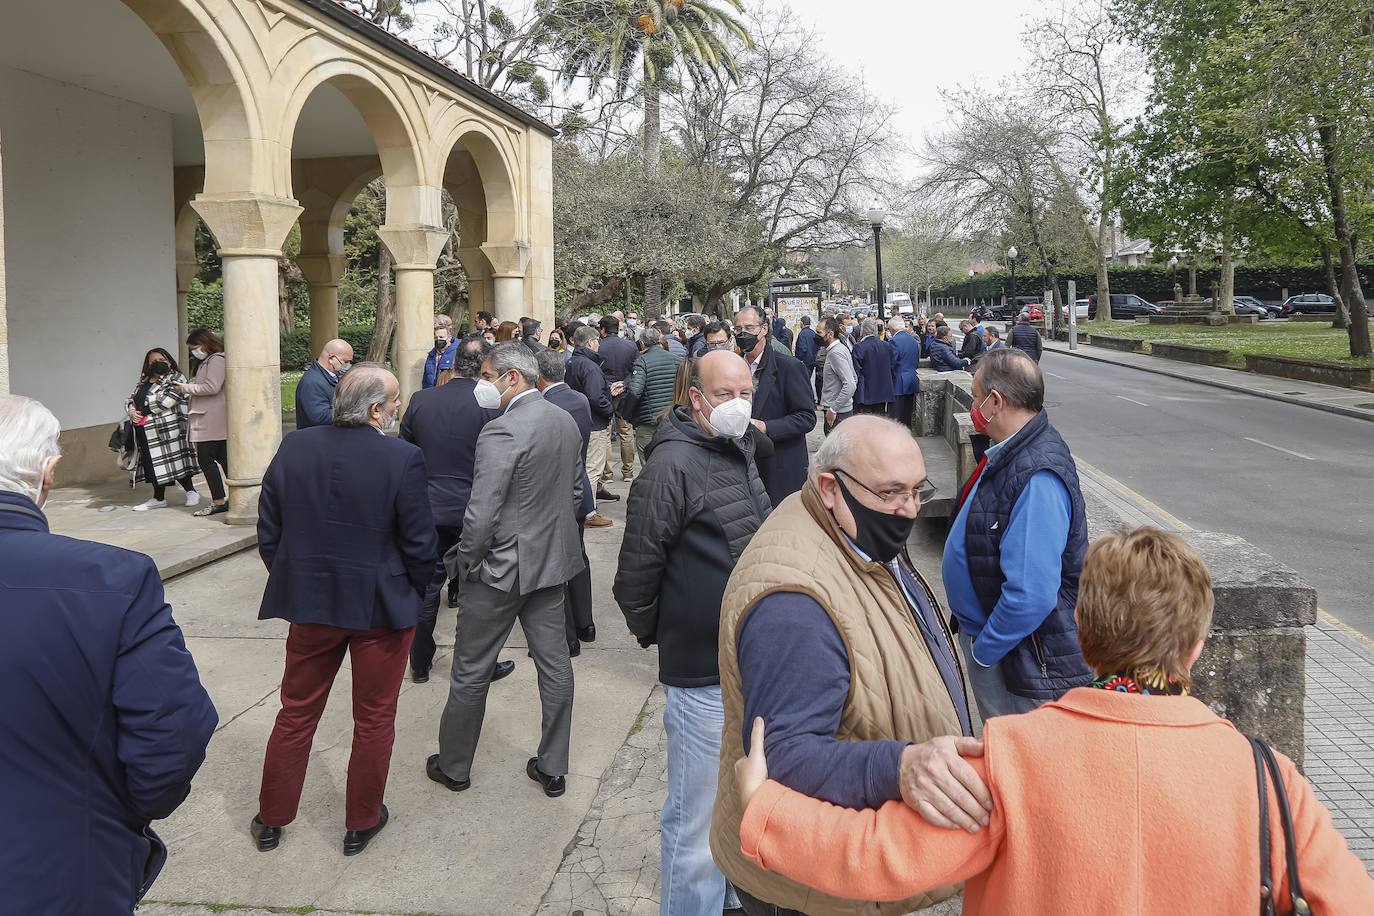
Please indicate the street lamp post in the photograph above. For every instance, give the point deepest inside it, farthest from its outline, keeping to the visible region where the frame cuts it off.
(972, 304)
(876, 218)
(1173, 279)
(1011, 259)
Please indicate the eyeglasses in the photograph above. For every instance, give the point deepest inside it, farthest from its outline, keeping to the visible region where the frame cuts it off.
(898, 497)
(750, 328)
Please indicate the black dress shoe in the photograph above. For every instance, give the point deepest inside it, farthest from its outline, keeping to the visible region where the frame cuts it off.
(419, 676)
(448, 782)
(452, 596)
(267, 838)
(355, 841)
(502, 669)
(607, 495)
(554, 786)
(587, 633)
(575, 650)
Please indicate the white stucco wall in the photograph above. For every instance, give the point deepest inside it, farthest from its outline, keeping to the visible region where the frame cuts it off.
(89, 272)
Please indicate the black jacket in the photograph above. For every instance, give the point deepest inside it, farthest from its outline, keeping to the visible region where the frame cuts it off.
(586, 373)
(1027, 339)
(973, 347)
(445, 423)
(785, 401)
(575, 403)
(692, 511)
(345, 530)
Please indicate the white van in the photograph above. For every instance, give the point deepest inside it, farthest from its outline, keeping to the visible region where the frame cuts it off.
(900, 304)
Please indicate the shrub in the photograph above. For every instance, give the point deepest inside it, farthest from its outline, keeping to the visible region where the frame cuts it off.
(295, 347)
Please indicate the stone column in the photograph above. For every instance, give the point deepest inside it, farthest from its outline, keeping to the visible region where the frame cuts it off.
(1253, 669)
(4, 319)
(323, 273)
(249, 230)
(186, 272)
(508, 263)
(415, 251)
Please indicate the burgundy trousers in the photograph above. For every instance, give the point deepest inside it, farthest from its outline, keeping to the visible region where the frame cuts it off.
(313, 655)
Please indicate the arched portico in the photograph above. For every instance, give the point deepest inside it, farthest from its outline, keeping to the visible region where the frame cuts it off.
(253, 70)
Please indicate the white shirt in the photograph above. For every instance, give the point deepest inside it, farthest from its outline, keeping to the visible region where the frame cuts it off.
(521, 395)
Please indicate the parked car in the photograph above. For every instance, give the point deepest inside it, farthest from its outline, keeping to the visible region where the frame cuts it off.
(1246, 305)
(1308, 304)
(1270, 310)
(1012, 308)
(1125, 305)
(1080, 308)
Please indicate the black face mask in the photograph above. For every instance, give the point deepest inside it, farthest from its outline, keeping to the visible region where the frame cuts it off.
(878, 534)
(159, 368)
(746, 341)
(440, 344)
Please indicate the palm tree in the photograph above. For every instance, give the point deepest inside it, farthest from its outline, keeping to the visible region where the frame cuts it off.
(612, 39)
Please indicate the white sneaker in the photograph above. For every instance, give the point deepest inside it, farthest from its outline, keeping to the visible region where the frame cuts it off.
(151, 504)
(192, 498)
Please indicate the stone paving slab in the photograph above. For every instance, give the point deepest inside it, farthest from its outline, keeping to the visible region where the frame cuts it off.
(1330, 398)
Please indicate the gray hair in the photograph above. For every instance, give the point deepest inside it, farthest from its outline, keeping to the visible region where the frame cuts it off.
(357, 392)
(513, 355)
(869, 327)
(472, 352)
(28, 441)
(584, 335)
(552, 368)
(835, 452)
(895, 324)
(1015, 376)
(443, 322)
(652, 336)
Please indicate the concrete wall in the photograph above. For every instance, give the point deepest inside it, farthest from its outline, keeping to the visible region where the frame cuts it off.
(90, 277)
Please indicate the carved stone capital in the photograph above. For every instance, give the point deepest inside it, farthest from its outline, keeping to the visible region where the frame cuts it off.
(322, 269)
(247, 224)
(507, 260)
(413, 247)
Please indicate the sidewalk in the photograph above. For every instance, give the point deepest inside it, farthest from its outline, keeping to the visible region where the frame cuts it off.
(1330, 398)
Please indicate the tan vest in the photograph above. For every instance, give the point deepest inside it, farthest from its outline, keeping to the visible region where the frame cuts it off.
(895, 688)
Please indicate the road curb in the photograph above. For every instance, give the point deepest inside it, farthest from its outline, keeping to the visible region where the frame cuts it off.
(1366, 415)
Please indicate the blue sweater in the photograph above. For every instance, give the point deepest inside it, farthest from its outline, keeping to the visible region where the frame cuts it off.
(1031, 553)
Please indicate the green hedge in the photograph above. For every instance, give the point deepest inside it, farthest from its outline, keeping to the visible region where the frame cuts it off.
(1153, 282)
(295, 347)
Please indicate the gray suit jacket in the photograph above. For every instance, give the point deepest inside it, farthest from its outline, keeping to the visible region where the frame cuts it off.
(520, 528)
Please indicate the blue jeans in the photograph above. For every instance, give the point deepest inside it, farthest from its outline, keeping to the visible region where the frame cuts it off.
(989, 687)
(690, 883)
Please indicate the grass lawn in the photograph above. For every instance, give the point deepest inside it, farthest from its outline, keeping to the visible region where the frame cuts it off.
(289, 381)
(1298, 339)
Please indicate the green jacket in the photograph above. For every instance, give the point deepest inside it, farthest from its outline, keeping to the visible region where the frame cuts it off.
(650, 385)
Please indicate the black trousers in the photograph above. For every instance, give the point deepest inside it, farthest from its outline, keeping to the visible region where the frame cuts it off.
(871, 408)
(577, 607)
(145, 457)
(903, 408)
(820, 379)
(753, 906)
(211, 456)
(422, 648)
(839, 418)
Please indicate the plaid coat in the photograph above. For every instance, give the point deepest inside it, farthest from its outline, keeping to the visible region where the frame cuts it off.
(167, 427)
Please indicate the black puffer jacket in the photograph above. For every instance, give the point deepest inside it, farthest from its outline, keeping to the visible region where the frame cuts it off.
(691, 513)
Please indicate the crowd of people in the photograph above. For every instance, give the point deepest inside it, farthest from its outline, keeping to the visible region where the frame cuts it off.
(839, 741)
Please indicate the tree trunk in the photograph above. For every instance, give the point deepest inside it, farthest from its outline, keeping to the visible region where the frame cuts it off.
(385, 321)
(1226, 289)
(1333, 285)
(285, 314)
(589, 298)
(1352, 293)
(1104, 290)
(653, 282)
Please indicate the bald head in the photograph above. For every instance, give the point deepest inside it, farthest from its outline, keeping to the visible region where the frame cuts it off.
(336, 356)
(718, 376)
(870, 455)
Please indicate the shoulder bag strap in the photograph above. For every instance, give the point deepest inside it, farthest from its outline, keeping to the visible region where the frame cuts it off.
(1290, 849)
(1266, 876)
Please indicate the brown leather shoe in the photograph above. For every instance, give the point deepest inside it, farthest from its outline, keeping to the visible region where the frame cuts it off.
(597, 520)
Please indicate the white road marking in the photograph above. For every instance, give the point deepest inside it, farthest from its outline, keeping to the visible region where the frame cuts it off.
(1280, 449)
(1132, 400)
(1062, 378)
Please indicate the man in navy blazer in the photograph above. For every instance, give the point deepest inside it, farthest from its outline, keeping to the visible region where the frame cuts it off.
(905, 384)
(873, 367)
(104, 720)
(578, 604)
(784, 406)
(315, 390)
(445, 423)
(346, 531)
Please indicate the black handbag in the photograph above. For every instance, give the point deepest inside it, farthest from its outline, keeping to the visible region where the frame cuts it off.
(1265, 761)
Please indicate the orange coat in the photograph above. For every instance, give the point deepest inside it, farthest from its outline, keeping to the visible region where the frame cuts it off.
(1104, 802)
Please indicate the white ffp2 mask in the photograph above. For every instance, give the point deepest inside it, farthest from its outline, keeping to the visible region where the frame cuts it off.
(731, 419)
(487, 394)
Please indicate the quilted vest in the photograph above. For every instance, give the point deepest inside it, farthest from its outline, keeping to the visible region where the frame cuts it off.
(895, 689)
(1050, 662)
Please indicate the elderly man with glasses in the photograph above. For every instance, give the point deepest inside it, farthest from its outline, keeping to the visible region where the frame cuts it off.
(830, 634)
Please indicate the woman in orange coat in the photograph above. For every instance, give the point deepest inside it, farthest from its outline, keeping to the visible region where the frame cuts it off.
(1126, 797)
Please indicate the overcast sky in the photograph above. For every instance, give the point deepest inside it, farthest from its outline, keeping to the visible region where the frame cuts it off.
(908, 50)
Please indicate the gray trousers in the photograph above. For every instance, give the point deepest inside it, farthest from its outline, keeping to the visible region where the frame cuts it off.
(990, 688)
(485, 618)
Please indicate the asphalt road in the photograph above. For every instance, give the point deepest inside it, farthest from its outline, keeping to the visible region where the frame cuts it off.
(1295, 482)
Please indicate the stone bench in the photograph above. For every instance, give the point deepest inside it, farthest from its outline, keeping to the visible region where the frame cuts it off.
(941, 425)
(1308, 370)
(1107, 342)
(1190, 353)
